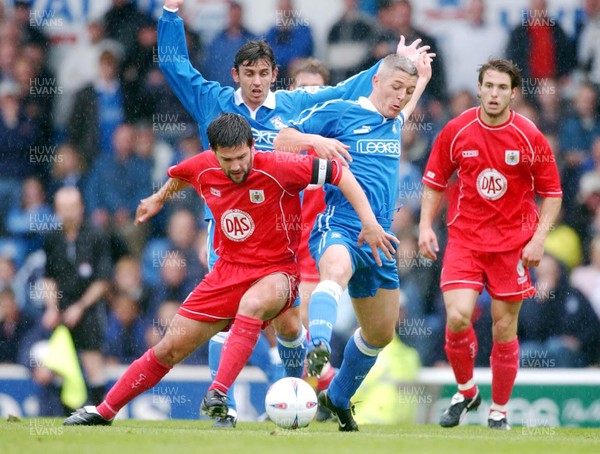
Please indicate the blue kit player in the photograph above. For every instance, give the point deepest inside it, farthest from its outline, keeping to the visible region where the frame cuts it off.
(254, 70)
(371, 128)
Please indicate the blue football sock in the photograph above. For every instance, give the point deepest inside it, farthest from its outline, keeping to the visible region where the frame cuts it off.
(215, 347)
(359, 358)
(322, 311)
(292, 353)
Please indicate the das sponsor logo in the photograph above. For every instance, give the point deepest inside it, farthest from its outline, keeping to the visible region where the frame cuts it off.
(491, 184)
(237, 225)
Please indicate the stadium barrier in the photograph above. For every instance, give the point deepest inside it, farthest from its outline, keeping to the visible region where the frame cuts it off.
(542, 398)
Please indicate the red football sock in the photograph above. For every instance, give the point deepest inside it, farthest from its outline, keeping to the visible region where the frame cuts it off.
(505, 364)
(141, 375)
(236, 350)
(461, 350)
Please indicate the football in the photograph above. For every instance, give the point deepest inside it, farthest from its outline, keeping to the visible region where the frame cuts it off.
(291, 403)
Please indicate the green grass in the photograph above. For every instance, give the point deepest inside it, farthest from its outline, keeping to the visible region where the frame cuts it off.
(47, 435)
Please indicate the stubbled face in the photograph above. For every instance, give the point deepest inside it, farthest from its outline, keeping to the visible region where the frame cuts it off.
(236, 162)
(495, 93)
(255, 80)
(392, 91)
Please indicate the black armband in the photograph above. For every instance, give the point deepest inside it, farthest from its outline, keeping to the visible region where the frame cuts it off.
(322, 171)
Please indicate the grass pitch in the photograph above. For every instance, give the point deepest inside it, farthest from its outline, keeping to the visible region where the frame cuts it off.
(47, 435)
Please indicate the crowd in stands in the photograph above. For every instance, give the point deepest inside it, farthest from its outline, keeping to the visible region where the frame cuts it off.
(108, 124)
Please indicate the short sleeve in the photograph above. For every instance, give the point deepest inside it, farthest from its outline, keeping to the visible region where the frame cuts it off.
(546, 180)
(189, 169)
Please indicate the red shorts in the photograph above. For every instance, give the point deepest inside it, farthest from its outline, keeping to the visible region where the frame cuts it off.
(501, 272)
(313, 203)
(219, 294)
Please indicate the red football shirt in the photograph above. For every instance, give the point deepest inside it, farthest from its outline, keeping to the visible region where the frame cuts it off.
(499, 169)
(257, 220)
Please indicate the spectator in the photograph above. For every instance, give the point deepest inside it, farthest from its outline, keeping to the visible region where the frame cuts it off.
(68, 169)
(97, 111)
(559, 327)
(461, 57)
(78, 270)
(575, 140)
(138, 71)
(224, 47)
(182, 237)
(116, 183)
(586, 278)
(174, 283)
(8, 272)
(38, 92)
(349, 42)
(395, 19)
(308, 72)
(80, 66)
(158, 153)
(290, 38)
(13, 327)
(122, 22)
(539, 46)
(124, 337)
(421, 322)
(30, 219)
(588, 44)
(585, 219)
(28, 33)
(17, 133)
(127, 279)
(550, 109)
(9, 48)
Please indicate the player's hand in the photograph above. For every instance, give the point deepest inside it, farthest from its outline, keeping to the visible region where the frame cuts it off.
(331, 149)
(428, 243)
(423, 64)
(412, 51)
(72, 315)
(532, 253)
(376, 237)
(173, 4)
(147, 208)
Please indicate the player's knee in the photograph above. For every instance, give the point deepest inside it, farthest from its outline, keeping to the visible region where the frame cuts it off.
(379, 338)
(288, 327)
(504, 329)
(168, 353)
(253, 306)
(335, 270)
(457, 321)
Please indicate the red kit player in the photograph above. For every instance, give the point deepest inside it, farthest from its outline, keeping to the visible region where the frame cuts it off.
(252, 196)
(502, 161)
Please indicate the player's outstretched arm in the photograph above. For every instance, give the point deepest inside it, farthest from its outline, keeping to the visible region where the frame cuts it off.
(293, 141)
(193, 91)
(150, 206)
(423, 64)
(430, 204)
(372, 233)
(534, 249)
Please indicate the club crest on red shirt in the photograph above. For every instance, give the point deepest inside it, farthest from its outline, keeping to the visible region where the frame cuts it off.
(257, 195)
